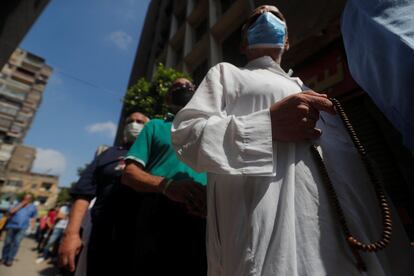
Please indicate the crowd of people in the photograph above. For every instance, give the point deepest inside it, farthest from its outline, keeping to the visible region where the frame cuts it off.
(23, 219)
(226, 183)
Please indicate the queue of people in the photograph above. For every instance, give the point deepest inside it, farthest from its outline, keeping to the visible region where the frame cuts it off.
(23, 220)
(226, 183)
(20, 217)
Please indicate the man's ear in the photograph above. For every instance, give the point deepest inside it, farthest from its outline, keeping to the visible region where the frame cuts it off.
(287, 43)
(243, 47)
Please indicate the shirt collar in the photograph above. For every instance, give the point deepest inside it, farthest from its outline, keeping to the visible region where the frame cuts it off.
(266, 62)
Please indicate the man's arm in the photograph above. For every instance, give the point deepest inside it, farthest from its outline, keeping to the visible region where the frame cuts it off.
(136, 178)
(83, 191)
(208, 139)
(71, 242)
(187, 192)
(18, 207)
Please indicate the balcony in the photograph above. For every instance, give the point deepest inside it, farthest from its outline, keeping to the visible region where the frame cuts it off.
(31, 66)
(36, 62)
(23, 78)
(39, 87)
(18, 84)
(30, 105)
(12, 94)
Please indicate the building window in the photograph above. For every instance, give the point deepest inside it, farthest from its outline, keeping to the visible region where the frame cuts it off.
(15, 183)
(200, 30)
(225, 5)
(231, 46)
(16, 129)
(180, 19)
(24, 118)
(25, 72)
(12, 93)
(178, 56)
(5, 124)
(42, 199)
(47, 186)
(200, 72)
(8, 109)
(35, 59)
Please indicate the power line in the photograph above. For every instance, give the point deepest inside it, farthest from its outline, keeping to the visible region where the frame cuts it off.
(85, 82)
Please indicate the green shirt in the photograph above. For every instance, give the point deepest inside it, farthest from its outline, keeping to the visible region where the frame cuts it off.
(153, 150)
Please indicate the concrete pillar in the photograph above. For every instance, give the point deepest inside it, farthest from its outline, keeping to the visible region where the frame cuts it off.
(250, 4)
(189, 34)
(171, 55)
(215, 53)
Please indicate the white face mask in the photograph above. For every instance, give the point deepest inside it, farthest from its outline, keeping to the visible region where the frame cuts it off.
(132, 130)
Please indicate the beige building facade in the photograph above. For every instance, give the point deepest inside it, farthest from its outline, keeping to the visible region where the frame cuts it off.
(22, 83)
(22, 159)
(44, 187)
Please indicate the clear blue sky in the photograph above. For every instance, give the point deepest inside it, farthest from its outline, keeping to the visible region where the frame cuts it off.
(94, 41)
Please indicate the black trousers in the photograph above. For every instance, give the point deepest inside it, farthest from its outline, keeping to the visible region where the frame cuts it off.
(170, 241)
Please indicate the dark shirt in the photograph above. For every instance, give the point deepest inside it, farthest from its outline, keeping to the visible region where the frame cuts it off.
(101, 179)
(111, 248)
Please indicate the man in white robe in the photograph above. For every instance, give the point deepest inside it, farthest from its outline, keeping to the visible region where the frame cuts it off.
(251, 129)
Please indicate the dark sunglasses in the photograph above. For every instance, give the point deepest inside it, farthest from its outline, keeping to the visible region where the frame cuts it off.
(184, 87)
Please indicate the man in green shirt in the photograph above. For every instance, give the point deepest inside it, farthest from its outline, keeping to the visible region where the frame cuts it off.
(171, 216)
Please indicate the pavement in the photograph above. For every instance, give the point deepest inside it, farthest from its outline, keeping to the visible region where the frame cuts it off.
(24, 264)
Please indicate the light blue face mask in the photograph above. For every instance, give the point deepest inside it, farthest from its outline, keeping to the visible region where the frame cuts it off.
(268, 31)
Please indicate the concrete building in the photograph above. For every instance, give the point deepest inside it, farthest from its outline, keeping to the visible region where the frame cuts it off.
(22, 82)
(16, 18)
(43, 186)
(22, 159)
(16, 177)
(193, 35)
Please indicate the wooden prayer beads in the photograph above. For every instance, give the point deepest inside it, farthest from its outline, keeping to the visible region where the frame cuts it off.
(353, 242)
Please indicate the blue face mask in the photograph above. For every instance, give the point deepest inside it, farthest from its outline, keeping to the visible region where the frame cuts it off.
(268, 31)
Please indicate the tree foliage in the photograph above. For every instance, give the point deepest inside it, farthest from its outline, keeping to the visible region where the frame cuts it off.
(148, 97)
(63, 196)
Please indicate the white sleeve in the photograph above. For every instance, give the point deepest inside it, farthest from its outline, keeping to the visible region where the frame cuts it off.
(207, 139)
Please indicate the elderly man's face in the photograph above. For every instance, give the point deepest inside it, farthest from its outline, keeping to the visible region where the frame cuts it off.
(137, 117)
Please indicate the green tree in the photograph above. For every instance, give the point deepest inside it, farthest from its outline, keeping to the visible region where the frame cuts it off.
(63, 196)
(64, 192)
(148, 97)
(81, 169)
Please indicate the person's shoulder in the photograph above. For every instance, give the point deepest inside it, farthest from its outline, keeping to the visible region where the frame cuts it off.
(225, 66)
(153, 123)
(113, 149)
(33, 207)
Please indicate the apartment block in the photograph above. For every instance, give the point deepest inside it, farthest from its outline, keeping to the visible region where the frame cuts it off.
(44, 187)
(22, 159)
(22, 82)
